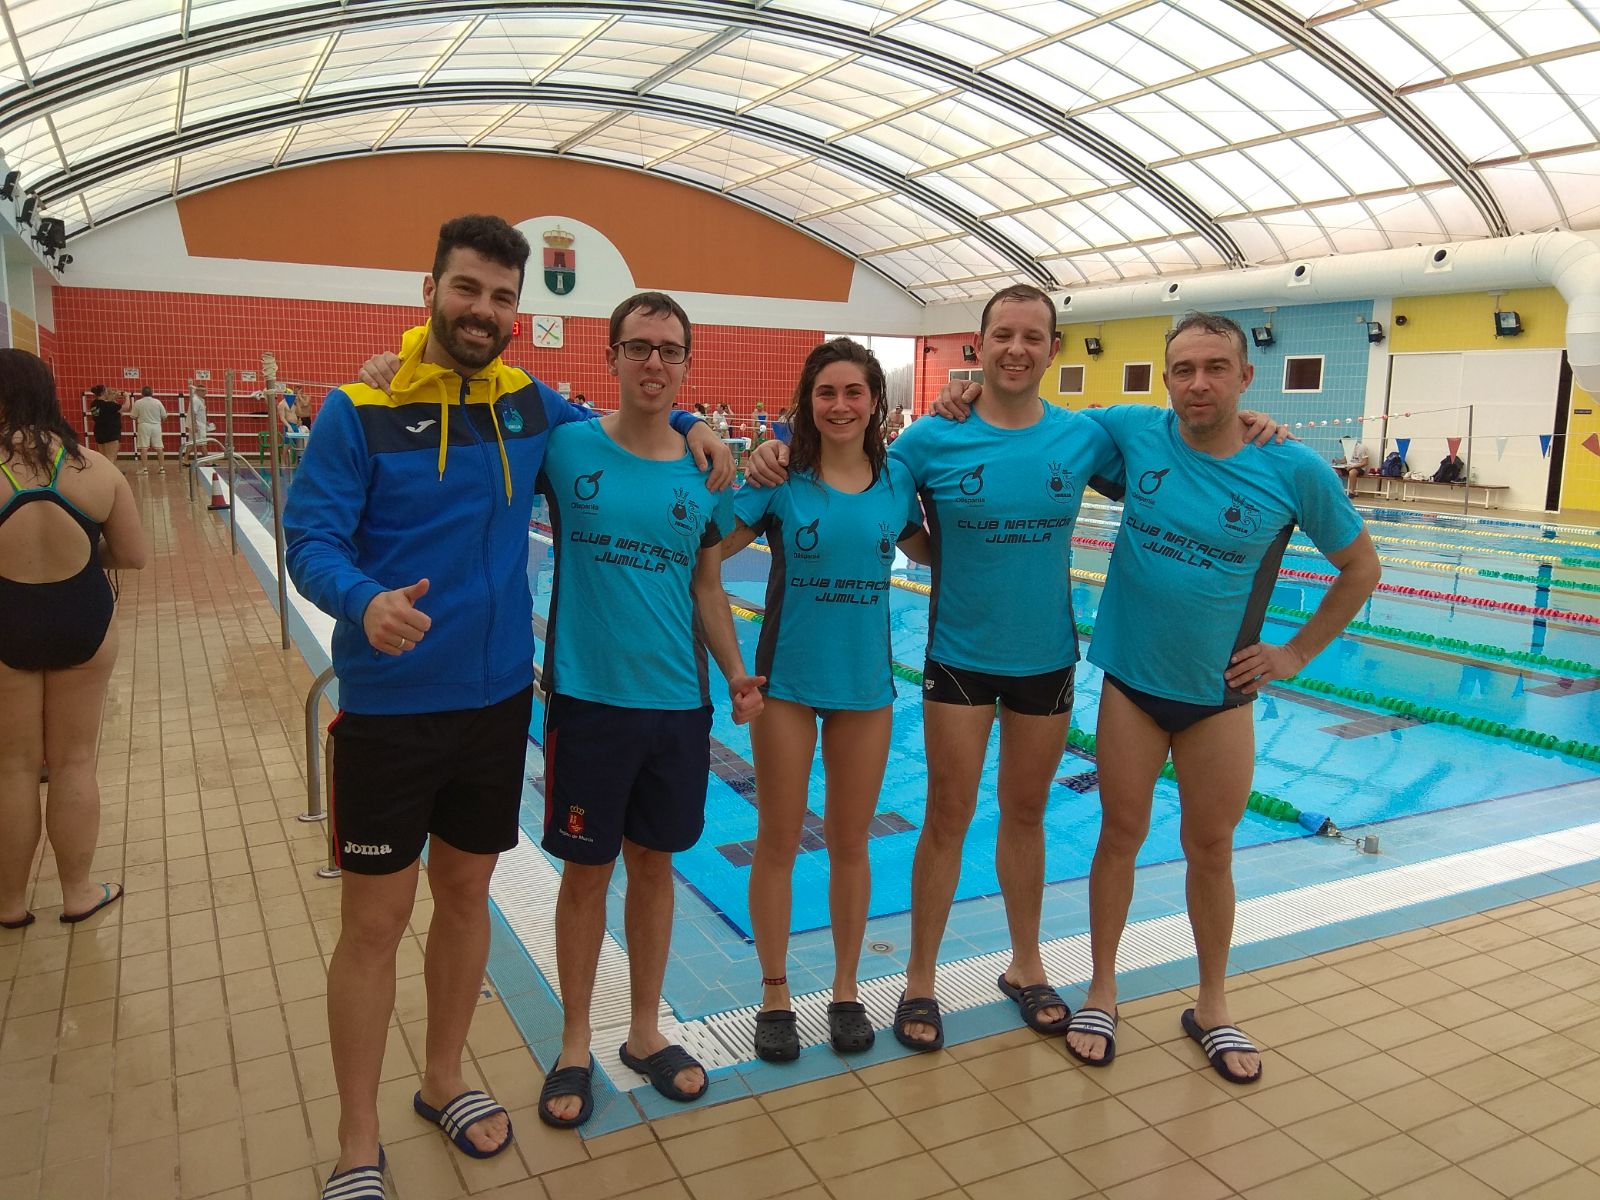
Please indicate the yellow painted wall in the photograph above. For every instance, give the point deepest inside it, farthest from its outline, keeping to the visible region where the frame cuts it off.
(24, 333)
(1135, 340)
(1466, 322)
(1580, 474)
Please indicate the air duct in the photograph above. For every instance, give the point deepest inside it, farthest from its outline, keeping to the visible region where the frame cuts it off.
(1569, 262)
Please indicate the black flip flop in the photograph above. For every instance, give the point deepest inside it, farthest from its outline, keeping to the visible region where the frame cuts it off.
(568, 1081)
(1224, 1039)
(777, 1039)
(919, 1008)
(1098, 1023)
(110, 897)
(27, 919)
(1033, 998)
(660, 1068)
(848, 1027)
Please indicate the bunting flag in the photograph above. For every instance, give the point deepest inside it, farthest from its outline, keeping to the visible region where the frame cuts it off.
(1402, 445)
(1454, 444)
(1500, 448)
(1544, 445)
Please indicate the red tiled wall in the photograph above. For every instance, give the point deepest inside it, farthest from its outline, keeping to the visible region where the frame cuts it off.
(47, 345)
(934, 366)
(322, 343)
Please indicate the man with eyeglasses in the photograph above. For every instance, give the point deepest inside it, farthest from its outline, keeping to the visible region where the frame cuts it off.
(637, 603)
(408, 523)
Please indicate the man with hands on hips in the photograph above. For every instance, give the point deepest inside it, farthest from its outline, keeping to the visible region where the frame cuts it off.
(408, 523)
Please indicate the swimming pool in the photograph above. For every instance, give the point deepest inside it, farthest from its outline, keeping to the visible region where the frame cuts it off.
(1322, 752)
(1469, 628)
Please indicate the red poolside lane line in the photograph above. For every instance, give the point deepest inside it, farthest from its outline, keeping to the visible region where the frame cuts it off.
(1510, 606)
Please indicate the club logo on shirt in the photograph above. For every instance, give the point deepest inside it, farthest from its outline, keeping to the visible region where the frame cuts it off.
(420, 425)
(587, 487)
(885, 543)
(806, 538)
(1059, 484)
(684, 512)
(1150, 481)
(1240, 517)
(972, 482)
(510, 416)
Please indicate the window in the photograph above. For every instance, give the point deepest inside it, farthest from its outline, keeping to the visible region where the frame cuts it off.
(1303, 374)
(1136, 379)
(1071, 381)
(975, 375)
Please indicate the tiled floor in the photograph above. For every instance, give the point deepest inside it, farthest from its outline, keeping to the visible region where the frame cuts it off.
(176, 1046)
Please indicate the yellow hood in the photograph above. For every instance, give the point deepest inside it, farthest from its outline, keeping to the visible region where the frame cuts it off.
(418, 382)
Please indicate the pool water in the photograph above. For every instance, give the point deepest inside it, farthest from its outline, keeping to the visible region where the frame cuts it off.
(1355, 763)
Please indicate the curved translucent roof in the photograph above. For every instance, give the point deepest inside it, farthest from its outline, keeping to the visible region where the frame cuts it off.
(951, 144)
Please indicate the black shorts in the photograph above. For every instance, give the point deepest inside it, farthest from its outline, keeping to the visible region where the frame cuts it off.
(1046, 695)
(399, 778)
(1173, 716)
(612, 773)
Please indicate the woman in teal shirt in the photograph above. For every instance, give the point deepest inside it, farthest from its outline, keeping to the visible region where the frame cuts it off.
(824, 647)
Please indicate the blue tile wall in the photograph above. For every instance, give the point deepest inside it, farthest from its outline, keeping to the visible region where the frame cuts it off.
(1338, 332)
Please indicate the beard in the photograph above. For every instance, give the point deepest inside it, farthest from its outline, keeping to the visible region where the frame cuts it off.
(465, 353)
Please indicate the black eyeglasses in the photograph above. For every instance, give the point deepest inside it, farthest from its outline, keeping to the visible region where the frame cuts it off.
(640, 350)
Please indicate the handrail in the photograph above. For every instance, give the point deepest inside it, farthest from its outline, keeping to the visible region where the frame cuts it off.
(314, 810)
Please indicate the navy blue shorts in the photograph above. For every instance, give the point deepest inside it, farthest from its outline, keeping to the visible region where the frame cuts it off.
(1046, 695)
(399, 778)
(1173, 716)
(612, 773)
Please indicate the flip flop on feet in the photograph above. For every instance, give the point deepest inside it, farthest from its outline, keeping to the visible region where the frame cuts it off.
(1093, 1022)
(777, 1040)
(1219, 1042)
(915, 1009)
(849, 1029)
(111, 897)
(662, 1069)
(1033, 999)
(455, 1118)
(358, 1183)
(22, 922)
(564, 1082)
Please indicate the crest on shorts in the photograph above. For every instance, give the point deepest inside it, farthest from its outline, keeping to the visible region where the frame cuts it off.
(574, 821)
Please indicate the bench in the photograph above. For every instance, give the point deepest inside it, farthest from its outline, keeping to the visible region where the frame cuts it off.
(1408, 490)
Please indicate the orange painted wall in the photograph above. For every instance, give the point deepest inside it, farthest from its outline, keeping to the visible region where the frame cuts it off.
(375, 212)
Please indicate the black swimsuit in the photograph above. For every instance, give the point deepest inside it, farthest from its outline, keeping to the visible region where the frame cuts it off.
(48, 626)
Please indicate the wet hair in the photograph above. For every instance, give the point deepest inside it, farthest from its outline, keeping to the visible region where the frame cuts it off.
(651, 304)
(144, 391)
(98, 390)
(30, 412)
(1213, 323)
(805, 442)
(1021, 292)
(491, 237)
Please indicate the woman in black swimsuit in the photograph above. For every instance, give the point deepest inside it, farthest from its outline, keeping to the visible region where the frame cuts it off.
(66, 515)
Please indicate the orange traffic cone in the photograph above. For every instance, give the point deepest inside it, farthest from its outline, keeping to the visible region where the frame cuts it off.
(219, 498)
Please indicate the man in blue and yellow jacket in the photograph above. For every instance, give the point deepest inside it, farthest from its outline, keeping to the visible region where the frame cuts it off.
(408, 523)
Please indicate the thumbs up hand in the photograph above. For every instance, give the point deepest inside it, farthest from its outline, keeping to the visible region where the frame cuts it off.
(393, 623)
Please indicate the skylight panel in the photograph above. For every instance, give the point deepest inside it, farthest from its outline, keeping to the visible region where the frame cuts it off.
(1037, 81)
(862, 14)
(1576, 178)
(1255, 187)
(1127, 132)
(1381, 49)
(54, 34)
(1524, 192)
(1540, 117)
(118, 117)
(1094, 79)
(1461, 119)
(1349, 153)
(1180, 32)
(1458, 37)
(384, 55)
(272, 75)
(1133, 57)
(1297, 172)
(1235, 119)
(545, 127)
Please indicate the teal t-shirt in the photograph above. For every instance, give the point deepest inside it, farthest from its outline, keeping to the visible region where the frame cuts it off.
(1001, 505)
(627, 533)
(1198, 552)
(825, 637)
